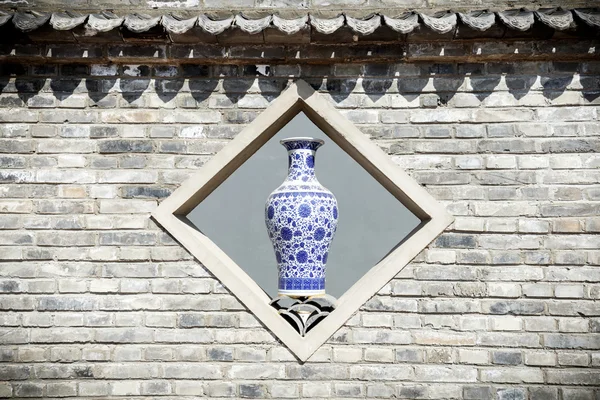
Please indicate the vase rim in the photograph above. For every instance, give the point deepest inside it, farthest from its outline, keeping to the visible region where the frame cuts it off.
(302, 138)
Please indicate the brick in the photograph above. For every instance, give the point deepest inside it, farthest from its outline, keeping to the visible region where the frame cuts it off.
(66, 239)
(560, 341)
(28, 390)
(93, 388)
(512, 375)
(445, 374)
(574, 325)
(512, 394)
(445, 338)
(16, 372)
(568, 291)
(573, 377)
(126, 206)
(507, 358)
(477, 392)
(125, 176)
(347, 355)
(573, 359)
(574, 393)
(125, 146)
(379, 355)
(468, 356)
(61, 389)
(64, 303)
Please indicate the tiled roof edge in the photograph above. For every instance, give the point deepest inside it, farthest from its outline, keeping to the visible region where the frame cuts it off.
(441, 22)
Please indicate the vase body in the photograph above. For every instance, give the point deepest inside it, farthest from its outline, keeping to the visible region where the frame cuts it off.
(301, 217)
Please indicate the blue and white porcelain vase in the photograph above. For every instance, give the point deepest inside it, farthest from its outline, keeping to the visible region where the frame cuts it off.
(301, 217)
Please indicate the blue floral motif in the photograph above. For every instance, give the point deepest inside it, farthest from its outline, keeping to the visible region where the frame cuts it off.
(301, 217)
(286, 233)
(304, 210)
(319, 234)
(302, 256)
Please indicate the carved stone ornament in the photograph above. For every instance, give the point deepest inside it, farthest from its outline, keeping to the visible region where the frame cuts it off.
(64, 21)
(589, 16)
(304, 313)
(478, 20)
(440, 22)
(520, 20)
(104, 21)
(177, 25)
(214, 27)
(30, 20)
(252, 26)
(366, 26)
(140, 22)
(556, 18)
(290, 26)
(327, 25)
(404, 24)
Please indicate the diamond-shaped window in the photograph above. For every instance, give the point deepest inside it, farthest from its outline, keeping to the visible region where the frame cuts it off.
(372, 221)
(414, 217)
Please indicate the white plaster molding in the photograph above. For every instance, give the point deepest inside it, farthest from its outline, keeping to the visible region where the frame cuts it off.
(301, 97)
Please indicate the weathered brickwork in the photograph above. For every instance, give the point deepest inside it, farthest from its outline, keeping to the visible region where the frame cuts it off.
(97, 301)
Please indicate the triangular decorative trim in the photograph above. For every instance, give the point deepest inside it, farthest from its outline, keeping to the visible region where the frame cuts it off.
(301, 97)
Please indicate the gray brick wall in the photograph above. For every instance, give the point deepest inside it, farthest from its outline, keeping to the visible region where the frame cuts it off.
(97, 301)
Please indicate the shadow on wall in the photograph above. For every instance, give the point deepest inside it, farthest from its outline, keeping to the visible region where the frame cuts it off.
(479, 81)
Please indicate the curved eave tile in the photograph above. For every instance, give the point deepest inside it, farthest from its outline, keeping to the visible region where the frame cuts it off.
(405, 23)
(589, 16)
(520, 20)
(441, 22)
(104, 21)
(176, 25)
(214, 27)
(30, 20)
(252, 26)
(5, 17)
(140, 22)
(327, 25)
(290, 26)
(364, 26)
(556, 18)
(478, 20)
(64, 21)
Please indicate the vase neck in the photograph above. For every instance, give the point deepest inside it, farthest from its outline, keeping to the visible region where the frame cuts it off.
(301, 165)
(301, 158)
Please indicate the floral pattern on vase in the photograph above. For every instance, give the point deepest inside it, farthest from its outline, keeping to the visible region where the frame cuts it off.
(301, 217)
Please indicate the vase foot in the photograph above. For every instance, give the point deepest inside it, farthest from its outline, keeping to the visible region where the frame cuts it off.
(303, 293)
